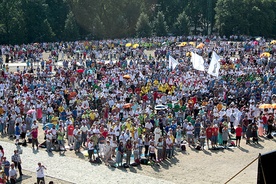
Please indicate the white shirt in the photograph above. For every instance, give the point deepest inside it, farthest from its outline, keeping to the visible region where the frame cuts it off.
(190, 129)
(168, 143)
(90, 145)
(148, 125)
(34, 126)
(12, 172)
(40, 172)
(49, 137)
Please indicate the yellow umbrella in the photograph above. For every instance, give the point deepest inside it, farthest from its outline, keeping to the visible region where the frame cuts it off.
(183, 44)
(126, 77)
(265, 54)
(128, 45)
(200, 46)
(273, 42)
(265, 106)
(135, 45)
(273, 106)
(192, 43)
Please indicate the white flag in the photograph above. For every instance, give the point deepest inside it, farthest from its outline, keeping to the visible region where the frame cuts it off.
(214, 65)
(197, 61)
(172, 62)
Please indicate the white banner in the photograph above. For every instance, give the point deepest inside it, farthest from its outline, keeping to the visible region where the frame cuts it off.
(214, 65)
(198, 62)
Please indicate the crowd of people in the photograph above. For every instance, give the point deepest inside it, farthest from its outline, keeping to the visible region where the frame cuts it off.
(120, 98)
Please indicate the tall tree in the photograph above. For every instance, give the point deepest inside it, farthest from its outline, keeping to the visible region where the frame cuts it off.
(160, 25)
(250, 17)
(56, 16)
(35, 13)
(181, 26)
(71, 30)
(143, 28)
(12, 24)
(194, 12)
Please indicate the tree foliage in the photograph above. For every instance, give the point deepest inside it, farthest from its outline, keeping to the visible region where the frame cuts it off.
(160, 25)
(27, 21)
(181, 26)
(143, 28)
(71, 30)
(251, 17)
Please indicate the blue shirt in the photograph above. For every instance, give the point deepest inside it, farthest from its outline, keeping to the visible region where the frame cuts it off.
(17, 130)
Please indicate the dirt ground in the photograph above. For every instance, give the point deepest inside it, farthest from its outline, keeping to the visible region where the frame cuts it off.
(192, 166)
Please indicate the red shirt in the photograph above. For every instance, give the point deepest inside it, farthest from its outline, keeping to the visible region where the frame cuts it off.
(238, 131)
(34, 133)
(208, 132)
(105, 134)
(215, 131)
(264, 118)
(70, 129)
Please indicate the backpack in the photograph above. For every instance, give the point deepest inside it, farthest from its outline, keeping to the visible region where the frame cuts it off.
(24, 143)
(134, 164)
(198, 147)
(144, 161)
(137, 161)
(183, 147)
(98, 160)
(233, 131)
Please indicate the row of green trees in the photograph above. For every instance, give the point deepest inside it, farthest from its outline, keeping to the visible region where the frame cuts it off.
(27, 21)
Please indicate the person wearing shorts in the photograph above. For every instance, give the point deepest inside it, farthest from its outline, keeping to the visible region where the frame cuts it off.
(238, 135)
(189, 131)
(208, 134)
(214, 138)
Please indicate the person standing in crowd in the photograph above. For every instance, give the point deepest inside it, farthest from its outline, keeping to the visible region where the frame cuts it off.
(128, 151)
(49, 140)
(70, 130)
(160, 149)
(169, 145)
(146, 144)
(225, 136)
(7, 165)
(208, 135)
(120, 154)
(84, 130)
(238, 135)
(12, 174)
(107, 152)
(270, 122)
(60, 137)
(152, 153)
(34, 134)
(77, 141)
(215, 131)
(17, 161)
(40, 173)
(90, 147)
(202, 138)
(17, 133)
(189, 132)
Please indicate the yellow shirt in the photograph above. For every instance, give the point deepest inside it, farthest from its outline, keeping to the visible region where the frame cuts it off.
(55, 120)
(128, 125)
(172, 138)
(219, 106)
(92, 116)
(60, 108)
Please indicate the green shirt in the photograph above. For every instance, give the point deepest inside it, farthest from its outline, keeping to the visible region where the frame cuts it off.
(60, 136)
